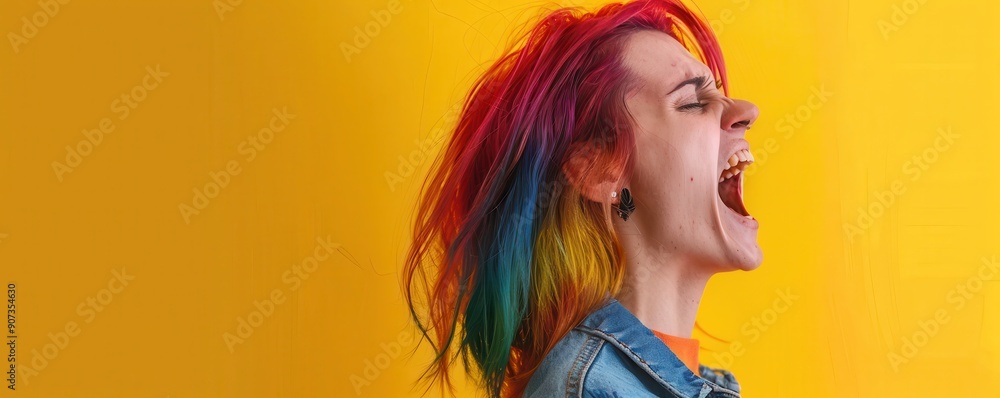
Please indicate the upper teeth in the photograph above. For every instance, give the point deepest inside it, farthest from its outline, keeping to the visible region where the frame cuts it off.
(736, 163)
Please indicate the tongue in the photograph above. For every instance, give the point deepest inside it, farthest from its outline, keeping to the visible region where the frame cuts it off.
(730, 192)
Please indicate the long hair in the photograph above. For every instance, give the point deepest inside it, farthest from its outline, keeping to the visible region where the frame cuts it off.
(508, 255)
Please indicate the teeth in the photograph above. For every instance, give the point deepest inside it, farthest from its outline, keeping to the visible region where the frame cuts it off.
(733, 160)
(736, 163)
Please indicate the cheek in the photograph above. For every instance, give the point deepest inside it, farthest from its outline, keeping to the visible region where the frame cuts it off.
(678, 184)
(680, 156)
(660, 163)
(684, 154)
(702, 144)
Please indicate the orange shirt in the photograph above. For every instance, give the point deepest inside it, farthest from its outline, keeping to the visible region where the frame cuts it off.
(686, 349)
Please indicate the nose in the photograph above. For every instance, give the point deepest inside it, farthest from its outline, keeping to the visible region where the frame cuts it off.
(739, 114)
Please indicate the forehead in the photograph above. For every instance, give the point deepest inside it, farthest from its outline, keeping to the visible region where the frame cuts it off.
(659, 60)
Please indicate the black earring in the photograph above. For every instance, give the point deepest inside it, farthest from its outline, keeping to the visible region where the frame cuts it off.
(625, 205)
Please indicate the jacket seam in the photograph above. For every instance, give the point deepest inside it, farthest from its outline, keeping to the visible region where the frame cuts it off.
(584, 359)
(716, 386)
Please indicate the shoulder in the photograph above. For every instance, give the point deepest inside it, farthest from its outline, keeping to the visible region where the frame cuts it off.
(612, 354)
(585, 365)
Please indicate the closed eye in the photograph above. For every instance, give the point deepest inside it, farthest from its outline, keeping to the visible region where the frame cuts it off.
(693, 106)
(707, 97)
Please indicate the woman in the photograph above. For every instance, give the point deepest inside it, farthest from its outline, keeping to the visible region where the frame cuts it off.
(591, 188)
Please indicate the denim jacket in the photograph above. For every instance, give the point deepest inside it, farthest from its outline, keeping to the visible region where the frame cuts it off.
(612, 354)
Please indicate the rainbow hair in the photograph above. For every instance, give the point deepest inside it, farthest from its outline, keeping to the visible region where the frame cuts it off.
(507, 254)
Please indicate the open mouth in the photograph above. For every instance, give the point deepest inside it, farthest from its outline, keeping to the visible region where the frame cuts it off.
(731, 182)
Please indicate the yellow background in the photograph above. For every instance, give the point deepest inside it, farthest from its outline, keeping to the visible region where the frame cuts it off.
(890, 87)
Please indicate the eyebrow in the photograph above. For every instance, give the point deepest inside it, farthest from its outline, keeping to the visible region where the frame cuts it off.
(698, 82)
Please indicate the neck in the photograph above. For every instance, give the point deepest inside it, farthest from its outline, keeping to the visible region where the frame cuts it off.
(662, 289)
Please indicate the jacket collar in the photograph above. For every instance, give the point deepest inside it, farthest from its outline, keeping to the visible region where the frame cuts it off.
(617, 325)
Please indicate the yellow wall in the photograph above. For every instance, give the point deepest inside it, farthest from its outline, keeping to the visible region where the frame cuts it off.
(866, 247)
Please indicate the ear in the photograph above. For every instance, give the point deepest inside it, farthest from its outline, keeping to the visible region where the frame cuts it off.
(585, 169)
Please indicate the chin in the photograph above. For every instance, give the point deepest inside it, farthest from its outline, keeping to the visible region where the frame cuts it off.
(748, 258)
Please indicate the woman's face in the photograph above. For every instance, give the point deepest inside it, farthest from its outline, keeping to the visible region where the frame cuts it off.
(686, 133)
